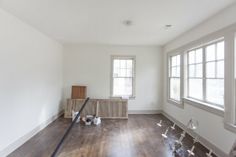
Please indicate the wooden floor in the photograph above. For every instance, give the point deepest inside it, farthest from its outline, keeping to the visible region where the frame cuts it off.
(137, 137)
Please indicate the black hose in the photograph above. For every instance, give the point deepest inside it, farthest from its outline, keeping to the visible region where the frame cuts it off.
(68, 129)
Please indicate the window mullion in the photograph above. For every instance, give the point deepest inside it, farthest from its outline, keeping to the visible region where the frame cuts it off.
(216, 60)
(187, 74)
(204, 74)
(170, 74)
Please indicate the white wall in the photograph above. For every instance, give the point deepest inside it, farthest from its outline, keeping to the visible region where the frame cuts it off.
(218, 21)
(211, 126)
(90, 65)
(30, 81)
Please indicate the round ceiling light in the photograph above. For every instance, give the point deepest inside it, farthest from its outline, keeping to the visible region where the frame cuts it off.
(128, 22)
(168, 26)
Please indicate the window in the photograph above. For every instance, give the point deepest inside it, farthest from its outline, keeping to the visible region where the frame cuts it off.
(206, 73)
(123, 76)
(174, 78)
(195, 75)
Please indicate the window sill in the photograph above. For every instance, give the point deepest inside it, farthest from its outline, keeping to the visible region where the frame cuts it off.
(230, 127)
(205, 106)
(176, 103)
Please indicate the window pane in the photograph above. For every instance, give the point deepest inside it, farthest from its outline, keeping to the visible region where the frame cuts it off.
(215, 91)
(220, 69)
(175, 89)
(129, 64)
(199, 55)
(129, 73)
(122, 86)
(199, 70)
(122, 73)
(116, 63)
(191, 57)
(116, 72)
(195, 88)
(210, 53)
(210, 70)
(173, 71)
(122, 63)
(220, 50)
(178, 71)
(178, 60)
(173, 61)
(191, 71)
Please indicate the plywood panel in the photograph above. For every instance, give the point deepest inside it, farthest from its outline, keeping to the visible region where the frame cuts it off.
(105, 108)
(78, 92)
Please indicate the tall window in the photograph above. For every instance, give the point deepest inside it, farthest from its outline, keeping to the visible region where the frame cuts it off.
(206, 73)
(123, 76)
(195, 74)
(174, 78)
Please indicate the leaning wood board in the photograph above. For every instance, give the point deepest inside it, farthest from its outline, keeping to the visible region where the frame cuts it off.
(104, 108)
(78, 92)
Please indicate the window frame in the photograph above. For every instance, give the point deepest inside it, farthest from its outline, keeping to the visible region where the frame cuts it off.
(204, 78)
(169, 99)
(125, 57)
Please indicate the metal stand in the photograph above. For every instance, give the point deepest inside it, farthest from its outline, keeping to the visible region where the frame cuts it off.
(191, 125)
(173, 127)
(160, 123)
(165, 134)
(209, 154)
(190, 152)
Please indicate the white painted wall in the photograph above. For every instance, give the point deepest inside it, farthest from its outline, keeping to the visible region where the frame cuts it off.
(211, 126)
(30, 81)
(90, 65)
(218, 21)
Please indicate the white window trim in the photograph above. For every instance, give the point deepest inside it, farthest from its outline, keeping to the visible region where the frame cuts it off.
(113, 57)
(204, 101)
(169, 100)
(230, 127)
(230, 108)
(234, 73)
(205, 106)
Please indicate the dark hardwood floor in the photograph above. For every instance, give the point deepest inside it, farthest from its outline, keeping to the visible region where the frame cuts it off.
(137, 137)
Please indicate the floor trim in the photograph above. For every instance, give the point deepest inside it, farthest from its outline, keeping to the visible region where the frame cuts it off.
(201, 139)
(144, 111)
(13, 146)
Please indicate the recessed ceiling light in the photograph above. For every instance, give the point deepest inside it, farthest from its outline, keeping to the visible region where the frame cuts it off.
(128, 22)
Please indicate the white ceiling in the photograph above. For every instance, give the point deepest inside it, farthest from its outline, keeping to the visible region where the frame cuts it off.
(100, 21)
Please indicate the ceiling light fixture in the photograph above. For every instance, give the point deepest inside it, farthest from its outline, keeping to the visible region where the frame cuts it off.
(168, 26)
(128, 22)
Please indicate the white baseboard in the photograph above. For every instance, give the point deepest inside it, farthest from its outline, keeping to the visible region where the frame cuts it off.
(144, 111)
(202, 140)
(27, 136)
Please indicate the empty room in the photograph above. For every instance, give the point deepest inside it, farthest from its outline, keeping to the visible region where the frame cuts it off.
(118, 78)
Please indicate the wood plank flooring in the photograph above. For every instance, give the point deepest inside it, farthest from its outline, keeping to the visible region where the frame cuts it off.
(137, 137)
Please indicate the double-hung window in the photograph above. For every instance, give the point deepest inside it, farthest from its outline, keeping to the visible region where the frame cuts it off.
(206, 73)
(123, 76)
(174, 78)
